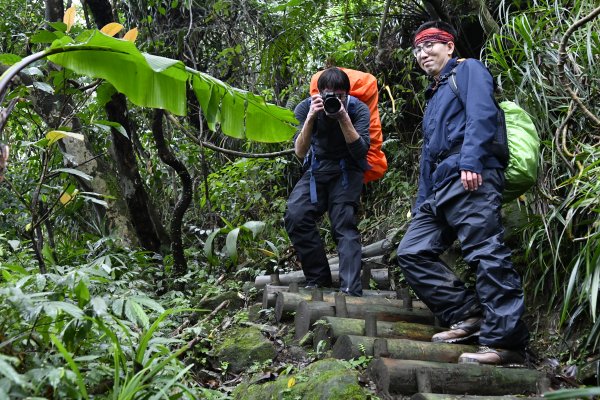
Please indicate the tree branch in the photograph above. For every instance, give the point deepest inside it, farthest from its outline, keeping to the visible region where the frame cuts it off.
(227, 151)
(562, 54)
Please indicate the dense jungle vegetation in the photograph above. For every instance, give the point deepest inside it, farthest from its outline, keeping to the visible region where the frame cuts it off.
(134, 192)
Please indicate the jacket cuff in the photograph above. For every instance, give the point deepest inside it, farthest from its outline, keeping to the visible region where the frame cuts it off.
(471, 165)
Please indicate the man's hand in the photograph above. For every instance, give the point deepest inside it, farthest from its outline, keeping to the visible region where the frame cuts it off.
(3, 159)
(316, 105)
(470, 180)
(340, 114)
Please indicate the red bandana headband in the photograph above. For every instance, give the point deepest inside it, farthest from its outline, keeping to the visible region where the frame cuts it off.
(433, 35)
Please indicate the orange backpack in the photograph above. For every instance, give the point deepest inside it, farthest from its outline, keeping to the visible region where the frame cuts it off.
(363, 86)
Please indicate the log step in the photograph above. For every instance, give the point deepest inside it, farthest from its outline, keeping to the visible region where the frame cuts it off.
(334, 327)
(286, 303)
(407, 377)
(379, 275)
(270, 291)
(308, 313)
(349, 346)
(438, 396)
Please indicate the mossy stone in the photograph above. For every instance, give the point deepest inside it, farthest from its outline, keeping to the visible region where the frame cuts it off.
(211, 303)
(243, 347)
(327, 379)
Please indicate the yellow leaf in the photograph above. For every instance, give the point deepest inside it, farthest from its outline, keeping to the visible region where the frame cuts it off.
(267, 252)
(111, 29)
(28, 227)
(65, 198)
(54, 136)
(291, 382)
(69, 17)
(131, 35)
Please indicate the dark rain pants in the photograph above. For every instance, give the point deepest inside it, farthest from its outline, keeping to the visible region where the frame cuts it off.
(474, 218)
(341, 203)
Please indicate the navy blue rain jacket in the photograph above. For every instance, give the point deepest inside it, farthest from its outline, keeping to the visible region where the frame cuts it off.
(447, 125)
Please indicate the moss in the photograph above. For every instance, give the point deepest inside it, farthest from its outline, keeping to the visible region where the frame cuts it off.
(211, 303)
(243, 347)
(327, 379)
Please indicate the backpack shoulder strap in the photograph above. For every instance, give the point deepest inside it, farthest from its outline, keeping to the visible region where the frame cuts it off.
(351, 105)
(452, 82)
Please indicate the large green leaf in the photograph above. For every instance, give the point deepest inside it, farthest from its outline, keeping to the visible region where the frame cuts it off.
(147, 81)
(158, 82)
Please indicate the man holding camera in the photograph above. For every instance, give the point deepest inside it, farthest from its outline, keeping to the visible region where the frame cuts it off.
(333, 139)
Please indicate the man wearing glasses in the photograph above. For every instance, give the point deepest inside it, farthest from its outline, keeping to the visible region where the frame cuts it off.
(333, 139)
(459, 197)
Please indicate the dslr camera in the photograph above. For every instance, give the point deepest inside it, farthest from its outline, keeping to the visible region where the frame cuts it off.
(331, 103)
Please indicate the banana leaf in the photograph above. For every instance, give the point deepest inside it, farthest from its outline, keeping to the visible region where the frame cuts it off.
(159, 82)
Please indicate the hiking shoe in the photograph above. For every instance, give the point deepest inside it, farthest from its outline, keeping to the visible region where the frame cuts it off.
(460, 332)
(487, 355)
(352, 294)
(312, 285)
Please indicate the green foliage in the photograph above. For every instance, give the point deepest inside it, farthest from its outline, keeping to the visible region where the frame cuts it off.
(562, 241)
(569, 394)
(94, 318)
(248, 230)
(241, 189)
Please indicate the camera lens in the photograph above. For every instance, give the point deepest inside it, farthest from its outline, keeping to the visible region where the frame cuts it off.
(331, 104)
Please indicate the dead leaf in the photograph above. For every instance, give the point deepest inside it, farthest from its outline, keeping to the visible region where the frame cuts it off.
(131, 35)
(69, 17)
(111, 29)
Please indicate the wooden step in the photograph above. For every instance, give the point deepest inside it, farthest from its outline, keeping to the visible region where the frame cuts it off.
(408, 377)
(334, 327)
(347, 347)
(308, 313)
(269, 293)
(379, 275)
(438, 396)
(286, 303)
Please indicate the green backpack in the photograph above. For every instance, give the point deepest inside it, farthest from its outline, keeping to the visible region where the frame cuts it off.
(523, 146)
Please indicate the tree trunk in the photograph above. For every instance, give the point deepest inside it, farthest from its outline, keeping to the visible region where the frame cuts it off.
(309, 312)
(54, 10)
(399, 377)
(150, 232)
(334, 327)
(286, 303)
(78, 155)
(165, 154)
(349, 346)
